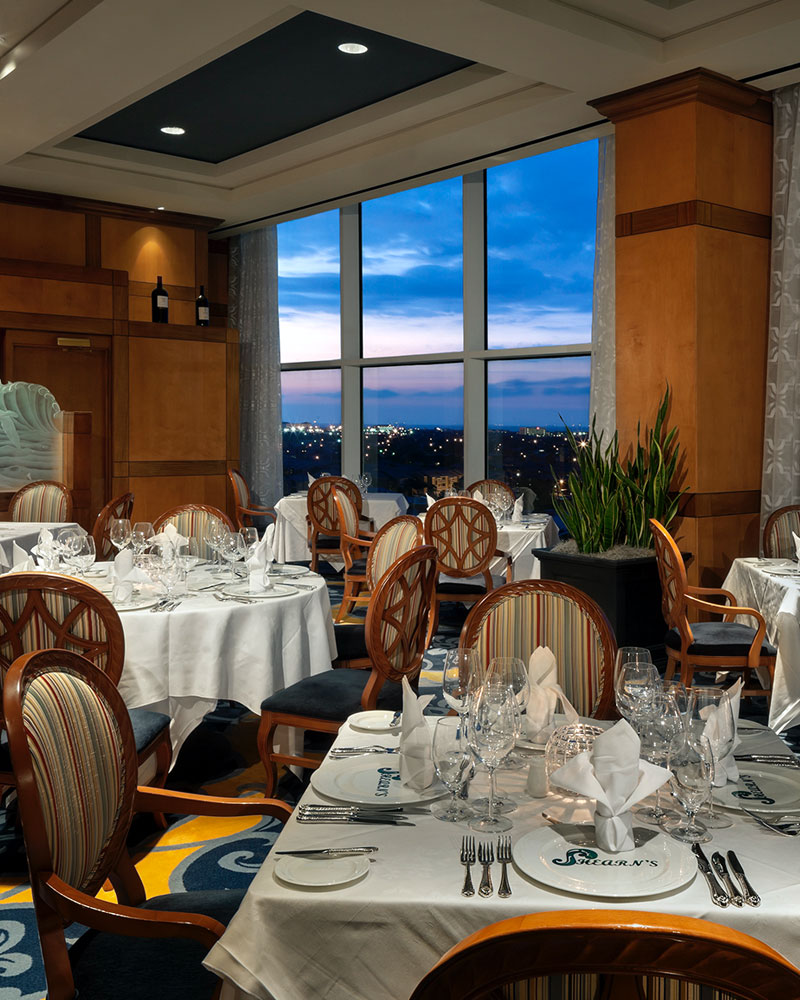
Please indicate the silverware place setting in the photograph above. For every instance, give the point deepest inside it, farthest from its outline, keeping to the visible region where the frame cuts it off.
(784, 825)
(728, 892)
(339, 752)
(483, 852)
(351, 814)
(773, 759)
(166, 604)
(328, 852)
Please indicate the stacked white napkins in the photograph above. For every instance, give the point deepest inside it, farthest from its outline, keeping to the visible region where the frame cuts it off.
(416, 757)
(125, 575)
(613, 775)
(258, 560)
(169, 536)
(543, 696)
(726, 768)
(20, 560)
(516, 514)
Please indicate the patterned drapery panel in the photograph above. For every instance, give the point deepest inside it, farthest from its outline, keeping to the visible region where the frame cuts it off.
(603, 387)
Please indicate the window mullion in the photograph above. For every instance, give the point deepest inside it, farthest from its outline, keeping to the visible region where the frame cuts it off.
(474, 207)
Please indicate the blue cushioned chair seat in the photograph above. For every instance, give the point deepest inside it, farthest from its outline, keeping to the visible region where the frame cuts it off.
(128, 968)
(350, 642)
(327, 541)
(146, 726)
(719, 639)
(332, 695)
(454, 587)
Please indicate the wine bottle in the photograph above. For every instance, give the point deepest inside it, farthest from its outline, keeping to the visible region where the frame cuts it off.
(202, 313)
(160, 299)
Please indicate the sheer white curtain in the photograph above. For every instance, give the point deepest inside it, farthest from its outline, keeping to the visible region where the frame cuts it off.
(253, 310)
(781, 477)
(603, 389)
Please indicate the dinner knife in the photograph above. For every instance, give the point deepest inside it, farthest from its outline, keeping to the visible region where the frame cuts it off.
(718, 895)
(721, 869)
(329, 852)
(390, 820)
(751, 897)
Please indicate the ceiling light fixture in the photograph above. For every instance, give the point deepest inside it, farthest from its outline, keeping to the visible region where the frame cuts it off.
(173, 130)
(352, 48)
(160, 208)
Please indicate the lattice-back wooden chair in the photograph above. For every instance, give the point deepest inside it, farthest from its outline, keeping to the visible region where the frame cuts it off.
(73, 751)
(352, 539)
(516, 618)
(396, 634)
(613, 954)
(323, 518)
(246, 510)
(43, 611)
(121, 506)
(44, 501)
(464, 533)
(778, 541)
(193, 520)
(486, 486)
(693, 646)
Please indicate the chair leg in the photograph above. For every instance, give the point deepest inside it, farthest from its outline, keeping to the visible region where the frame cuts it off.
(670, 668)
(264, 741)
(435, 614)
(347, 601)
(163, 761)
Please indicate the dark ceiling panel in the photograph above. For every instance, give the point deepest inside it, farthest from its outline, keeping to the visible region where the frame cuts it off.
(283, 82)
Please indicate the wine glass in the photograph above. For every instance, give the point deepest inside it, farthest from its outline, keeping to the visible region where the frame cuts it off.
(187, 554)
(690, 761)
(664, 725)
(82, 553)
(232, 550)
(451, 758)
(636, 687)
(214, 537)
(366, 479)
(119, 534)
(462, 674)
(710, 715)
(510, 671)
(677, 689)
(506, 502)
(140, 537)
(250, 536)
(491, 731)
(630, 654)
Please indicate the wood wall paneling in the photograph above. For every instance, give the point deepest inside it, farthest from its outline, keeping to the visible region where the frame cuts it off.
(42, 234)
(145, 251)
(155, 494)
(25, 294)
(734, 160)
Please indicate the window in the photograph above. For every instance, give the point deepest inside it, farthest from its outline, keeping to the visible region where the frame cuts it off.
(312, 425)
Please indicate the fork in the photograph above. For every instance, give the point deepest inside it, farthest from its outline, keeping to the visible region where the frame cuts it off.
(785, 830)
(467, 859)
(486, 857)
(504, 858)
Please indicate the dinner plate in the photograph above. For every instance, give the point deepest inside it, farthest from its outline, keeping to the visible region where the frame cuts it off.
(374, 722)
(282, 569)
(148, 602)
(762, 789)
(572, 862)
(319, 873)
(243, 590)
(522, 744)
(372, 780)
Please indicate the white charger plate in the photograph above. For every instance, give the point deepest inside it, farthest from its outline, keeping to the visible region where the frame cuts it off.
(369, 781)
(319, 873)
(761, 789)
(148, 602)
(374, 722)
(243, 590)
(284, 569)
(574, 863)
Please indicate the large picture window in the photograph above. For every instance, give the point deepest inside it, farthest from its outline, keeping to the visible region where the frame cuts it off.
(312, 425)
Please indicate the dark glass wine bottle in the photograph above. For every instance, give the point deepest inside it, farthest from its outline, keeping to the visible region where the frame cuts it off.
(202, 312)
(160, 299)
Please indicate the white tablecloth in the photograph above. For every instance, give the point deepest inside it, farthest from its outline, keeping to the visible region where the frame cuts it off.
(778, 600)
(374, 940)
(517, 540)
(25, 534)
(290, 543)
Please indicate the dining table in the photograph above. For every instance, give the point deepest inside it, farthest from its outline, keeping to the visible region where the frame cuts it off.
(290, 542)
(375, 936)
(772, 586)
(25, 534)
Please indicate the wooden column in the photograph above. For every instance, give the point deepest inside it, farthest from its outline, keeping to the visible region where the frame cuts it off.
(693, 201)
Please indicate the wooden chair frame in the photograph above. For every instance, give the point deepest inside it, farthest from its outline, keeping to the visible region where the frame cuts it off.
(604, 707)
(678, 598)
(67, 493)
(161, 520)
(57, 903)
(776, 515)
(113, 646)
(412, 636)
(121, 506)
(621, 946)
(349, 546)
(246, 510)
(322, 517)
(485, 484)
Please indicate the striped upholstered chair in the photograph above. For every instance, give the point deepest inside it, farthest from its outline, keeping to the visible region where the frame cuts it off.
(193, 520)
(323, 518)
(396, 634)
(119, 507)
(352, 540)
(778, 541)
(246, 510)
(41, 501)
(41, 611)
(516, 618)
(73, 749)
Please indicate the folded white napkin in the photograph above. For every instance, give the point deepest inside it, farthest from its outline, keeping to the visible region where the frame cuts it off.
(45, 548)
(725, 769)
(169, 536)
(429, 500)
(477, 495)
(125, 575)
(543, 694)
(612, 774)
(258, 560)
(21, 562)
(416, 758)
(796, 545)
(311, 479)
(516, 514)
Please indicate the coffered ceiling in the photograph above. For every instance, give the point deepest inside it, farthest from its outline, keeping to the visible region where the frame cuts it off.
(446, 86)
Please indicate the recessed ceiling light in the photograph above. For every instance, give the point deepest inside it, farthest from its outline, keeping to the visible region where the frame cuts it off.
(160, 208)
(173, 130)
(353, 48)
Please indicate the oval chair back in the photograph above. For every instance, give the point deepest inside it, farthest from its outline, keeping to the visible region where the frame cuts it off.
(464, 534)
(194, 520)
(486, 486)
(394, 539)
(321, 504)
(241, 491)
(778, 541)
(45, 500)
(121, 506)
(347, 515)
(516, 618)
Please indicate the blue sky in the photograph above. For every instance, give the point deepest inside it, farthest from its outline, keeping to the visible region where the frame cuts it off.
(540, 245)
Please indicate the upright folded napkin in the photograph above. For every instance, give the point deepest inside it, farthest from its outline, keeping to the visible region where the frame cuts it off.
(725, 768)
(429, 500)
(796, 545)
(311, 479)
(125, 575)
(416, 758)
(516, 514)
(45, 549)
(544, 692)
(257, 561)
(21, 562)
(477, 495)
(169, 536)
(612, 774)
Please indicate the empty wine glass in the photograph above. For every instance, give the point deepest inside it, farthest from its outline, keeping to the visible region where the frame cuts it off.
(710, 715)
(366, 479)
(462, 674)
(690, 761)
(119, 534)
(506, 503)
(140, 537)
(657, 733)
(452, 760)
(232, 551)
(636, 687)
(630, 654)
(187, 554)
(491, 731)
(82, 553)
(677, 689)
(250, 536)
(510, 671)
(214, 537)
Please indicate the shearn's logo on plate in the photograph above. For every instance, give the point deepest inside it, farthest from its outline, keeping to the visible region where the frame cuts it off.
(387, 776)
(585, 856)
(752, 792)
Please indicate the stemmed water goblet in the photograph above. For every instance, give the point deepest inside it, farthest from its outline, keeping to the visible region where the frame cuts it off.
(452, 760)
(250, 536)
(630, 654)
(140, 537)
(232, 551)
(491, 731)
(506, 503)
(119, 534)
(690, 762)
(214, 537)
(462, 674)
(510, 671)
(636, 687)
(665, 723)
(82, 553)
(720, 731)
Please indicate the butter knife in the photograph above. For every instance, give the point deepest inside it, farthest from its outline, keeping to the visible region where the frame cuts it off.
(329, 852)
(751, 897)
(718, 895)
(721, 869)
